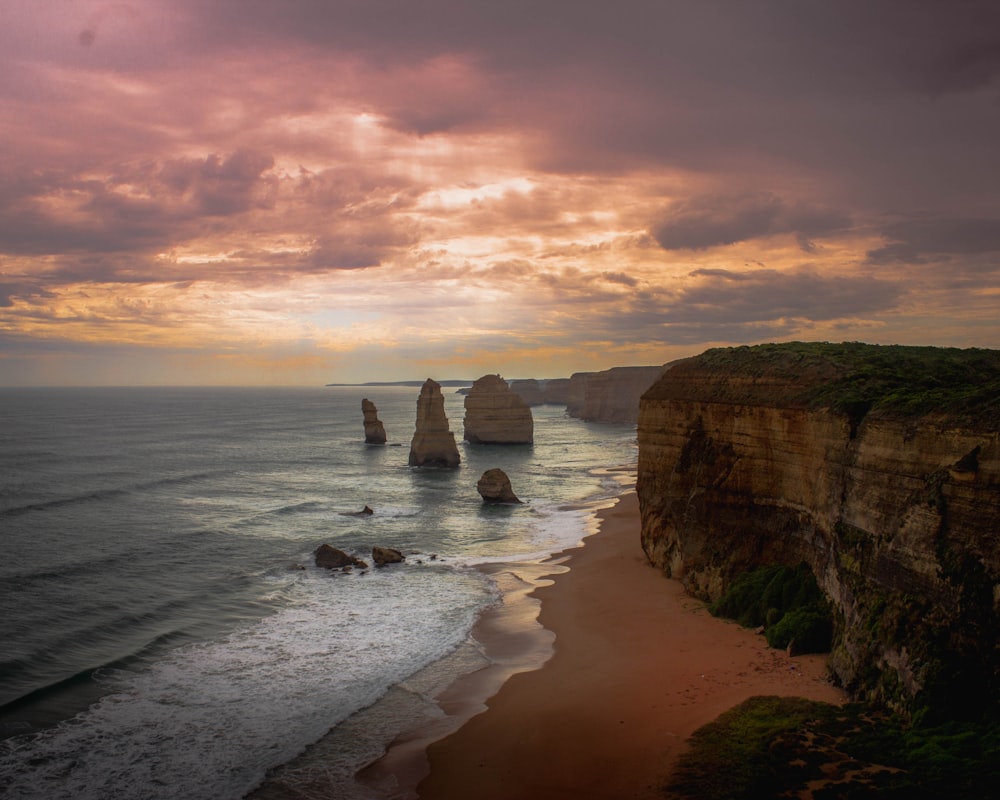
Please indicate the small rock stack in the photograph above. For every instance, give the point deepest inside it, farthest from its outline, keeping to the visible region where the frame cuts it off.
(374, 429)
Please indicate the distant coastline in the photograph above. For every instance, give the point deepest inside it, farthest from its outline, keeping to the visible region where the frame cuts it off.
(417, 384)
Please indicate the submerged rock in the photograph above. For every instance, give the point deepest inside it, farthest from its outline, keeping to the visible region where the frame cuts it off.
(329, 557)
(494, 487)
(433, 442)
(374, 429)
(386, 555)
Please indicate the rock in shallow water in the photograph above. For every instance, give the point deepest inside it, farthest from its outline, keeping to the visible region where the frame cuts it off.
(494, 487)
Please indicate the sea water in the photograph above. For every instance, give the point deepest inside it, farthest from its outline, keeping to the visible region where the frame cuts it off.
(163, 630)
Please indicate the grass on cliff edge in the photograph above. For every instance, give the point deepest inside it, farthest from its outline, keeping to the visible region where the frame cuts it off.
(854, 378)
(778, 746)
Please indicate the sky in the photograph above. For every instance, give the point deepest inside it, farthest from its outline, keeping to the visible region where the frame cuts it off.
(301, 192)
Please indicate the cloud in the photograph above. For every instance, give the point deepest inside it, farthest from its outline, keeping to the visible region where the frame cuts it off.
(705, 222)
(917, 241)
(764, 294)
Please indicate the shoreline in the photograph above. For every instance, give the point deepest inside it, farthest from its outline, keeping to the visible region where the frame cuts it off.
(636, 666)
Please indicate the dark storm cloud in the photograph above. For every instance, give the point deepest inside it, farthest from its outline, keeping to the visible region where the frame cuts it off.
(761, 295)
(705, 222)
(136, 207)
(917, 241)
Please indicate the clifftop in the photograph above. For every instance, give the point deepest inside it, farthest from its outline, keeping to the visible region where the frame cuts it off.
(852, 378)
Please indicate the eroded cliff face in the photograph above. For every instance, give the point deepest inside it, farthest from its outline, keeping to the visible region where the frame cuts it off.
(609, 396)
(898, 517)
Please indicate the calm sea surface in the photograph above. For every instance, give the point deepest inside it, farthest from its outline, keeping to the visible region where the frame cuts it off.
(155, 639)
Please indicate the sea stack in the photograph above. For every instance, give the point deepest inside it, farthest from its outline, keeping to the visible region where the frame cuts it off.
(495, 415)
(374, 429)
(433, 442)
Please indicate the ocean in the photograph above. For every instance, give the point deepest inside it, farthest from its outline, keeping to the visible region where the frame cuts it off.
(163, 630)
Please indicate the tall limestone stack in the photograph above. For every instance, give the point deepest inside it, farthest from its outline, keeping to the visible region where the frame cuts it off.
(374, 429)
(433, 442)
(495, 415)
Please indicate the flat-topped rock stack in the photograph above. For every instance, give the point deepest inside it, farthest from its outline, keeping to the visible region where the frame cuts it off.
(433, 442)
(496, 415)
(374, 429)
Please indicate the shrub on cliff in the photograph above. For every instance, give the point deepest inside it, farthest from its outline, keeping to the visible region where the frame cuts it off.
(786, 601)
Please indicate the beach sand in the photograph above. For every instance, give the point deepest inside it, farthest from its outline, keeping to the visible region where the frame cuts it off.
(637, 666)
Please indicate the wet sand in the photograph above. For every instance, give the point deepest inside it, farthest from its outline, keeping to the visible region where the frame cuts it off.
(637, 666)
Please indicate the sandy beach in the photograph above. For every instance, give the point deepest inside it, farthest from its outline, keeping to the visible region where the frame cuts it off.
(637, 665)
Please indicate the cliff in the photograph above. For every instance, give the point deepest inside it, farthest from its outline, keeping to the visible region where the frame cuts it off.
(879, 467)
(495, 415)
(609, 396)
(433, 443)
(529, 390)
(556, 391)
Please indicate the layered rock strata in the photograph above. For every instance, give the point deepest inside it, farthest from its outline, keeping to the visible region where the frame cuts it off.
(609, 396)
(433, 442)
(374, 429)
(897, 513)
(495, 415)
(556, 391)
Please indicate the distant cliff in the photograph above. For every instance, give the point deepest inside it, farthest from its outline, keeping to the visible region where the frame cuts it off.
(879, 467)
(609, 396)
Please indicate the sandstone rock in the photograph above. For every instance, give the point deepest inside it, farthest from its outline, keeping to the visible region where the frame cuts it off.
(329, 557)
(495, 415)
(494, 487)
(433, 442)
(386, 555)
(556, 391)
(374, 429)
(737, 471)
(529, 390)
(609, 396)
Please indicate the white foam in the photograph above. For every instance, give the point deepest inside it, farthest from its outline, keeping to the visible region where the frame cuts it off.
(208, 720)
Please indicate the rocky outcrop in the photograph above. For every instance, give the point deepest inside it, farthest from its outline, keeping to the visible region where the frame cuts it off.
(386, 555)
(495, 415)
(556, 391)
(329, 557)
(529, 390)
(494, 487)
(609, 396)
(826, 454)
(374, 429)
(433, 442)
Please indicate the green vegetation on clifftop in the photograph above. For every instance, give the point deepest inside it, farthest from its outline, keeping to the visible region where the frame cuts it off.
(782, 746)
(855, 378)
